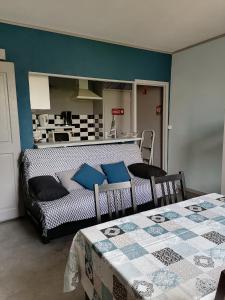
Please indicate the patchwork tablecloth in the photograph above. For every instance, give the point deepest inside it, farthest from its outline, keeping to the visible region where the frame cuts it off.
(173, 252)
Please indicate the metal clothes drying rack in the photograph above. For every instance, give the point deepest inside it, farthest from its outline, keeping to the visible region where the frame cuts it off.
(147, 145)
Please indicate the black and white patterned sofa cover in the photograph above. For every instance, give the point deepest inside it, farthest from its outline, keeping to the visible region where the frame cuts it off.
(79, 204)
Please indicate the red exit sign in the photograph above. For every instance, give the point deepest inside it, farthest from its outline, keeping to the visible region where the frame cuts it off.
(117, 111)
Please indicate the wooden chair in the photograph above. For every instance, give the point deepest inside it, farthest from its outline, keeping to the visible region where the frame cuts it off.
(220, 293)
(171, 193)
(114, 195)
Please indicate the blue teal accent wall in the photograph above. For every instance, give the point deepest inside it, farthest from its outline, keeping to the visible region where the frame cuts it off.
(47, 52)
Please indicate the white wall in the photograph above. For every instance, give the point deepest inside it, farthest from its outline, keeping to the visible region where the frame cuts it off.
(117, 98)
(223, 164)
(197, 107)
(62, 99)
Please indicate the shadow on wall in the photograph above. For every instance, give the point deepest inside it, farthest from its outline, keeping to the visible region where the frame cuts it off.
(201, 159)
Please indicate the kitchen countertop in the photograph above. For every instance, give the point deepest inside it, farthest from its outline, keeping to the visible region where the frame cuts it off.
(84, 143)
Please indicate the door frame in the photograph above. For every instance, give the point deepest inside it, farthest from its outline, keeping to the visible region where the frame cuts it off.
(12, 146)
(165, 86)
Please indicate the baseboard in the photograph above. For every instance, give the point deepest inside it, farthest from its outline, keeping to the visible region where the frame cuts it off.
(195, 192)
(9, 214)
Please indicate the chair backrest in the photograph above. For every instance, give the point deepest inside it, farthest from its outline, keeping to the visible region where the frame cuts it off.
(171, 193)
(220, 293)
(114, 197)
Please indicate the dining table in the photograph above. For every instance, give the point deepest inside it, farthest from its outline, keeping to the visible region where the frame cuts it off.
(171, 252)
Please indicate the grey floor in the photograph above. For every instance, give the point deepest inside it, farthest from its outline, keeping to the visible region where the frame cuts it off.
(30, 270)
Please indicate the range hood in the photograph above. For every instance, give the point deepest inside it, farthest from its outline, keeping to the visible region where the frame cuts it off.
(85, 93)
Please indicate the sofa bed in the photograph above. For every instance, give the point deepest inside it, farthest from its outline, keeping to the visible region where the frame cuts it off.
(77, 209)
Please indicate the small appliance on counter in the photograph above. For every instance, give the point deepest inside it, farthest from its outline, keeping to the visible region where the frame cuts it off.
(43, 120)
(67, 117)
(37, 136)
(59, 136)
(58, 120)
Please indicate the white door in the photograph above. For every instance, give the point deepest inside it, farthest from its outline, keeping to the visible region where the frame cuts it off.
(9, 143)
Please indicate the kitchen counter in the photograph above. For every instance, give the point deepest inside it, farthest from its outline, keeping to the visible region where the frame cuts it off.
(85, 143)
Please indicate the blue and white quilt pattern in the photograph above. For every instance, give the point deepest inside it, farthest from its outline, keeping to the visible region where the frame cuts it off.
(160, 254)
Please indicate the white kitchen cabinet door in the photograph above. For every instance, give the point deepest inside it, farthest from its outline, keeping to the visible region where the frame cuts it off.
(9, 144)
(39, 91)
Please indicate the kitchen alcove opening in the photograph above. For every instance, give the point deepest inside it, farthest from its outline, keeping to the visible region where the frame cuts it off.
(65, 100)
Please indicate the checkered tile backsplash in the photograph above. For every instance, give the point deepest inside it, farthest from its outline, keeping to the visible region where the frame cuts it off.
(84, 127)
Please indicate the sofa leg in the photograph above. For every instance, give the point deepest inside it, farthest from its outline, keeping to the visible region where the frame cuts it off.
(45, 240)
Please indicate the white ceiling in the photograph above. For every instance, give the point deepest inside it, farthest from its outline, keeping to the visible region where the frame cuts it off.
(163, 25)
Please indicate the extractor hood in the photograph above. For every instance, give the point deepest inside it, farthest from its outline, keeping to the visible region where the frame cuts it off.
(85, 93)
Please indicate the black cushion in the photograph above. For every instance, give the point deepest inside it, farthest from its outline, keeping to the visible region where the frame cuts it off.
(46, 188)
(146, 171)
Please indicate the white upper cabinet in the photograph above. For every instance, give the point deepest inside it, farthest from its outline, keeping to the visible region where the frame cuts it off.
(39, 91)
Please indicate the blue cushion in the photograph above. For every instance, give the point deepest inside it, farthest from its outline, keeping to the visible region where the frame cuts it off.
(87, 176)
(116, 172)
